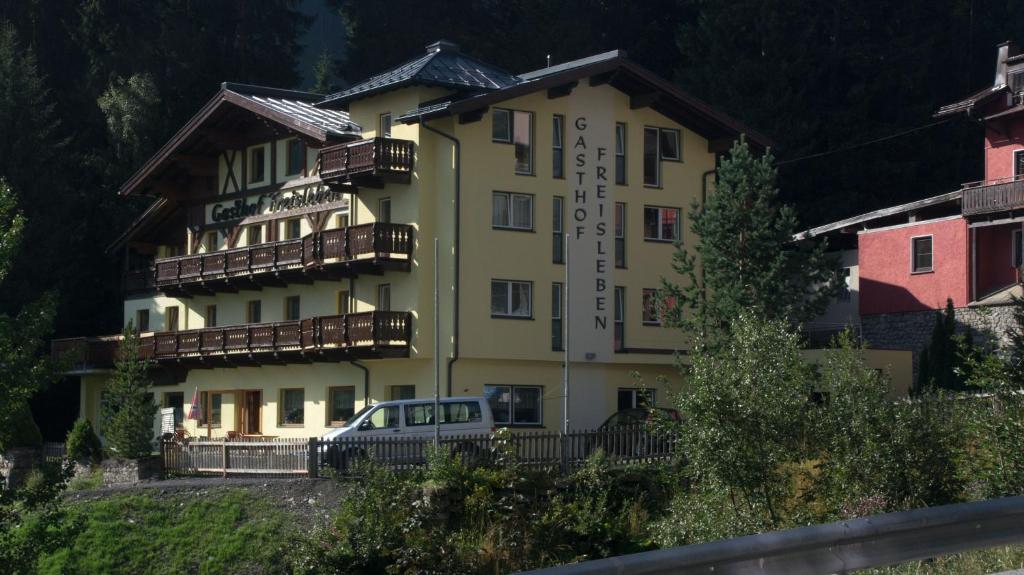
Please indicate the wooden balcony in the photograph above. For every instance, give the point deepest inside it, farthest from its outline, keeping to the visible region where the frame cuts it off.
(992, 196)
(377, 334)
(368, 163)
(330, 254)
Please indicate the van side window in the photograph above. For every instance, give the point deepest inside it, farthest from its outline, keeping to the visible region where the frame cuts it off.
(419, 414)
(384, 418)
(461, 412)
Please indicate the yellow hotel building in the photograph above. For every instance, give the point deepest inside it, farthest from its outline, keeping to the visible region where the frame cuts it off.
(285, 269)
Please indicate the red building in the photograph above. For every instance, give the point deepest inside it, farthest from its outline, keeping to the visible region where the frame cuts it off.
(965, 246)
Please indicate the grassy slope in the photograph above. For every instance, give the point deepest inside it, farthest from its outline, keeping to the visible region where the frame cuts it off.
(221, 531)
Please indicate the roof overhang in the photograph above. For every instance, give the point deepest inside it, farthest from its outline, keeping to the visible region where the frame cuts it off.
(616, 70)
(862, 220)
(229, 99)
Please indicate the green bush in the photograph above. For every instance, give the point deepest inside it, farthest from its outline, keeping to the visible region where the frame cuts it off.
(82, 444)
(22, 431)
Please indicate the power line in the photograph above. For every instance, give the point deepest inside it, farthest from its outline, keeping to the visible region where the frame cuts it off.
(863, 144)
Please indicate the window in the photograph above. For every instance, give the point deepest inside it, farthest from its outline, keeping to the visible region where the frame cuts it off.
(630, 398)
(669, 145)
(385, 125)
(451, 412)
(293, 407)
(1018, 162)
(620, 235)
(1016, 249)
(341, 221)
(343, 302)
(383, 418)
(501, 126)
(171, 319)
(254, 235)
(620, 154)
(176, 400)
(556, 317)
(557, 231)
(292, 308)
(384, 210)
(557, 146)
(292, 229)
(650, 307)
(522, 137)
(403, 392)
(620, 318)
(384, 297)
(512, 211)
(652, 160)
(209, 409)
(211, 316)
(296, 158)
(253, 312)
(515, 404)
(142, 320)
(661, 224)
(341, 404)
(511, 299)
(922, 254)
(210, 242)
(257, 164)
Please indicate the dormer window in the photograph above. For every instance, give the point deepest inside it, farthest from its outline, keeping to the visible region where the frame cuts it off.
(385, 125)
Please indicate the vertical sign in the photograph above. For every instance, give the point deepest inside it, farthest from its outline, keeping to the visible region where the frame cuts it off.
(590, 141)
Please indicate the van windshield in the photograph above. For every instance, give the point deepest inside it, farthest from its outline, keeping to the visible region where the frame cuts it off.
(352, 420)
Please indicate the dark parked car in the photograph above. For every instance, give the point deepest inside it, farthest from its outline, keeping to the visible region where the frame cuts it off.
(628, 433)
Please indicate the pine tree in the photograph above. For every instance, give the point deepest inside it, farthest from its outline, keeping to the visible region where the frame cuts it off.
(129, 409)
(322, 77)
(943, 364)
(747, 254)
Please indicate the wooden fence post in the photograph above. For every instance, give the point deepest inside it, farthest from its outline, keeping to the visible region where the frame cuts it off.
(312, 459)
(224, 457)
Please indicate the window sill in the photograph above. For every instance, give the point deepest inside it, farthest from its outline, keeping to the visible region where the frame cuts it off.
(922, 272)
(653, 186)
(298, 425)
(511, 317)
(511, 229)
(531, 174)
(651, 324)
(660, 241)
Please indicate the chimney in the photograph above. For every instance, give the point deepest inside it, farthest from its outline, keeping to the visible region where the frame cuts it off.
(442, 46)
(1004, 51)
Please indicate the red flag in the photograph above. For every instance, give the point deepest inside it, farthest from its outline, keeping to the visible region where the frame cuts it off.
(193, 410)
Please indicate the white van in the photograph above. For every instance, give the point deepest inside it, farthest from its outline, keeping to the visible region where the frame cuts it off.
(410, 419)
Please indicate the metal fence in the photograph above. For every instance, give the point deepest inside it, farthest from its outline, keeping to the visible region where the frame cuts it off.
(841, 547)
(54, 451)
(538, 450)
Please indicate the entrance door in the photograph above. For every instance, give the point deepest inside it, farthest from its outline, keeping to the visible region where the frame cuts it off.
(250, 415)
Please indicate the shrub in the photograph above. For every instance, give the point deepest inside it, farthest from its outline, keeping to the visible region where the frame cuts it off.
(82, 444)
(22, 430)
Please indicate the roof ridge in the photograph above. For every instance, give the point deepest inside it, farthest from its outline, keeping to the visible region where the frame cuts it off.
(255, 90)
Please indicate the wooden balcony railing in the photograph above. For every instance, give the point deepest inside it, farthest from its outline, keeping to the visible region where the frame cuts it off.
(992, 196)
(379, 244)
(373, 334)
(367, 161)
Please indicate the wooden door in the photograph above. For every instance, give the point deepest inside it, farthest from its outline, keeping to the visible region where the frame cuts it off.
(250, 414)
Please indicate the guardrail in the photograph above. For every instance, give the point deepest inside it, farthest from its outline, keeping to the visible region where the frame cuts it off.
(993, 196)
(538, 450)
(840, 547)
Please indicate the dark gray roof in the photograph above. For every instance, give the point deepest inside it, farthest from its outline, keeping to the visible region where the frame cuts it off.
(883, 213)
(979, 97)
(442, 65)
(541, 72)
(298, 106)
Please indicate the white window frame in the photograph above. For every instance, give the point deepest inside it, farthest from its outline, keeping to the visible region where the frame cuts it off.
(558, 145)
(509, 284)
(1018, 161)
(657, 157)
(510, 204)
(679, 145)
(643, 307)
(913, 258)
(508, 125)
(619, 314)
(557, 305)
(532, 142)
(558, 229)
(265, 176)
(288, 157)
(287, 307)
(508, 419)
(619, 217)
(384, 205)
(383, 297)
(620, 152)
(384, 132)
(659, 238)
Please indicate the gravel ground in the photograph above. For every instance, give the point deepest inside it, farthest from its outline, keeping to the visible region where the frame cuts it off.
(309, 500)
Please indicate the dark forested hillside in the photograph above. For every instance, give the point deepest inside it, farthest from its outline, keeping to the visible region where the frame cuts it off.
(89, 88)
